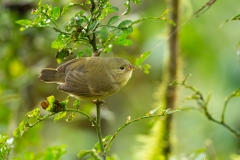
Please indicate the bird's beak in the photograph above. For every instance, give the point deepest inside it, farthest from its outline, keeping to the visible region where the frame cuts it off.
(132, 67)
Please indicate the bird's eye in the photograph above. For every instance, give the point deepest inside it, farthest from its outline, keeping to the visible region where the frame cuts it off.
(122, 67)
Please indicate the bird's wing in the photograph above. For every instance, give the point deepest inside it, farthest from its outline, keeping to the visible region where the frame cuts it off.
(76, 84)
(72, 65)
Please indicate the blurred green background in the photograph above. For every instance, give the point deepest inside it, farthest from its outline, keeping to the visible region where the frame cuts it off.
(208, 52)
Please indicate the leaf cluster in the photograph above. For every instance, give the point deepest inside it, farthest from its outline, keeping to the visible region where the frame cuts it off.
(84, 28)
(92, 26)
(5, 146)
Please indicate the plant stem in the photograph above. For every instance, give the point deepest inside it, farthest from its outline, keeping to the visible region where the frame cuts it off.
(172, 68)
(163, 113)
(98, 127)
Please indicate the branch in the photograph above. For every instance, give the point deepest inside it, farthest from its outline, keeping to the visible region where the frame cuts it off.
(163, 113)
(203, 105)
(98, 126)
(204, 8)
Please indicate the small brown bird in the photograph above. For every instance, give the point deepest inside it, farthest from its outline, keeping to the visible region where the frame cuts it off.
(90, 78)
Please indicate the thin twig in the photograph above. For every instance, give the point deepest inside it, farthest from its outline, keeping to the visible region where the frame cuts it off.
(130, 122)
(203, 105)
(204, 8)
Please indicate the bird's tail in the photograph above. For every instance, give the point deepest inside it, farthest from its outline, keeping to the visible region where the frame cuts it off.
(50, 75)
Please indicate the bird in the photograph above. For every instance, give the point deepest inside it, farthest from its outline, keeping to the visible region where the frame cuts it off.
(90, 78)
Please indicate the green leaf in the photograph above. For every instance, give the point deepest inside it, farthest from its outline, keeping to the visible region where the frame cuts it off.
(103, 33)
(121, 40)
(146, 68)
(71, 117)
(34, 113)
(80, 54)
(137, 1)
(93, 153)
(76, 103)
(113, 20)
(5, 148)
(51, 99)
(20, 130)
(25, 22)
(59, 116)
(237, 17)
(117, 32)
(58, 43)
(54, 152)
(63, 54)
(142, 58)
(84, 153)
(128, 30)
(107, 10)
(127, 4)
(17, 133)
(93, 24)
(70, 5)
(55, 14)
(125, 24)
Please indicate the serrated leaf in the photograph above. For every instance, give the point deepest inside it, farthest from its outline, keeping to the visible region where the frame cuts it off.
(55, 13)
(59, 116)
(142, 58)
(34, 113)
(113, 20)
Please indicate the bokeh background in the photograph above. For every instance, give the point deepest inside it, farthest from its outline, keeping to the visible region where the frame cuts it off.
(208, 53)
